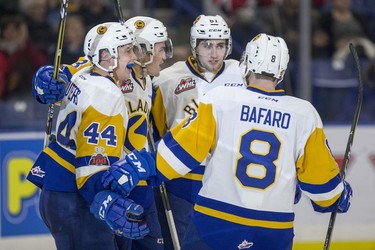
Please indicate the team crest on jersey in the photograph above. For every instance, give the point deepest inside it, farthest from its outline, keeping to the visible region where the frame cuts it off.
(37, 171)
(184, 85)
(99, 158)
(127, 86)
(245, 244)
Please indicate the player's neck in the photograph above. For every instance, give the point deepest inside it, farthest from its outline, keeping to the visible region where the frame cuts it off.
(265, 84)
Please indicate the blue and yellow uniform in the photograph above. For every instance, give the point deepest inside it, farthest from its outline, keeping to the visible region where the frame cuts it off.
(260, 143)
(90, 134)
(178, 91)
(137, 96)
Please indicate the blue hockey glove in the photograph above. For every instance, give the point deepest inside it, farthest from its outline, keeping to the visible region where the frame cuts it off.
(298, 194)
(344, 201)
(122, 215)
(45, 88)
(125, 174)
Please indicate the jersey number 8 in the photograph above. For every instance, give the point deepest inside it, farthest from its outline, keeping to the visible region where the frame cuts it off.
(259, 150)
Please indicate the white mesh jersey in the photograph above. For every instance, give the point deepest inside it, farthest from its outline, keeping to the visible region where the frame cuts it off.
(260, 143)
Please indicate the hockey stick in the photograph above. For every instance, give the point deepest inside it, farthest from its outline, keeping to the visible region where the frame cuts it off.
(56, 66)
(164, 196)
(119, 11)
(350, 140)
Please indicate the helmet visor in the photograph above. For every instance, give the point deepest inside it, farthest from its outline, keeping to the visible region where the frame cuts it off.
(168, 48)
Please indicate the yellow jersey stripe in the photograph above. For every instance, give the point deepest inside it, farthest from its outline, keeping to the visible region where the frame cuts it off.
(165, 168)
(194, 177)
(60, 160)
(242, 220)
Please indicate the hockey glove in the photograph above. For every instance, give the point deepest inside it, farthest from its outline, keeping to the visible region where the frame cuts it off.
(125, 174)
(344, 201)
(45, 88)
(122, 215)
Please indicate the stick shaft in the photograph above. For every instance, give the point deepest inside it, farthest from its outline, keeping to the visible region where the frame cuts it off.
(56, 65)
(164, 196)
(119, 11)
(350, 141)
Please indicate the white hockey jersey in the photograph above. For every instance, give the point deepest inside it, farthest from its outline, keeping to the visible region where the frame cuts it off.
(179, 89)
(138, 99)
(260, 144)
(137, 94)
(90, 134)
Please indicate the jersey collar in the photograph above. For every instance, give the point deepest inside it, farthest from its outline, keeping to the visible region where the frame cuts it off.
(96, 73)
(138, 79)
(278, 92)
(190, 63)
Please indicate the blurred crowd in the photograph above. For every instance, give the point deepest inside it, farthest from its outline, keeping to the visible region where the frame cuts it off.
(28, 34)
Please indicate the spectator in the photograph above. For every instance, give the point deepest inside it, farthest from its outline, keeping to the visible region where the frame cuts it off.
(19, 57)
(282, 19)
(54, 7)
(341, 25)
(94, 11)
(41, 32)
(73, 41)
(242, 18)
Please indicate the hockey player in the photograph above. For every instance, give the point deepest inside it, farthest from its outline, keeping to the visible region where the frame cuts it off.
(178, 90)
(261, 143)
(153, 38)
(90, 132)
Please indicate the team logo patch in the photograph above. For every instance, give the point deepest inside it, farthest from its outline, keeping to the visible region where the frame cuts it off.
(127, 86)
(99, 158)
(245, 244)
(37, 171)
(101, 29)
(139, 24)
(184, 85)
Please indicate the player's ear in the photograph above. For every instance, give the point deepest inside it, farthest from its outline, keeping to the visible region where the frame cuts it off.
(104, 55)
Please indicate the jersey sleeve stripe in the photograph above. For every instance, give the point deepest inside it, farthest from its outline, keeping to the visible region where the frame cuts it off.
(321, 188)
(176, 149)
(327, 203)
(84, 173)
(168, 163)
